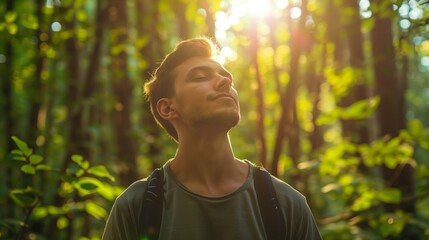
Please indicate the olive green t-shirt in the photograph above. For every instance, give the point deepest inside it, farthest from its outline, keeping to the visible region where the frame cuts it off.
(190, 216)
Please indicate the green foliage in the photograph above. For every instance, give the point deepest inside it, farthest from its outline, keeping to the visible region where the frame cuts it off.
(80, 184)
(24, 197)
(359, 110)
(65, 97)
(33, 162)
(363, 193)
(9, 23)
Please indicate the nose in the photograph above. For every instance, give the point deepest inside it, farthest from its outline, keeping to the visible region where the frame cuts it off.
(223, 83)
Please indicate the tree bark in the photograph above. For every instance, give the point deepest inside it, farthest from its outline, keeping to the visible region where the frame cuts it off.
(289, 94)
(210, 20)
(314, 82)
(149, 53)
(9, 120)
(357, 130)
(260, 109)
(74, 118)
(37, 89)
(390, 117)
(90, 83)
(179, 9)
(123, 92)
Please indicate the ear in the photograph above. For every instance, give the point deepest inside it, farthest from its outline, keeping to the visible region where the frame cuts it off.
(166, 109)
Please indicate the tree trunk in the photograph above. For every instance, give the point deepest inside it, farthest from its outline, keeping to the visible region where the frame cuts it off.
(37, 89)
(314, 82)
(179, 9)
(390, 117)
(74, 120)
(147, 16)
(9, 120)
(122, 89)
(289, 94)
(210, 20)
(90, 107)
(334, 32)
(357, 130)
(260, 110)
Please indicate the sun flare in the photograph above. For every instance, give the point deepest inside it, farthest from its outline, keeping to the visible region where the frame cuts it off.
(256, 7)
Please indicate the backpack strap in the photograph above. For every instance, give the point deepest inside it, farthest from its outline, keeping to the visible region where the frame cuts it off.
(153, 205)
(269, 206)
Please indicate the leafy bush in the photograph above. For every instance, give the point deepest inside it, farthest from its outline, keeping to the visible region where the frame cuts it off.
(82, 188)
(353, 180)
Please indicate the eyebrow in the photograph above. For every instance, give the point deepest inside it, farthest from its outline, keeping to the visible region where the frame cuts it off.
(221, 69)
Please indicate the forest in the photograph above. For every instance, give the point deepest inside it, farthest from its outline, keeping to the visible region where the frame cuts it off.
(334, 100)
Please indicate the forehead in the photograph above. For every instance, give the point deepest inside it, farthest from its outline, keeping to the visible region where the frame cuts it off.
(196, 63)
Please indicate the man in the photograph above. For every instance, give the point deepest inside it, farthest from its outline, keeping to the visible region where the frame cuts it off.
(208, 192)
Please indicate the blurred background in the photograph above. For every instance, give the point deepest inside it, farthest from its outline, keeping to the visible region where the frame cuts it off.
(334, 99)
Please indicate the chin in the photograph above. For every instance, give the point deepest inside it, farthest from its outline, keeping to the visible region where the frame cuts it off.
(228, 120)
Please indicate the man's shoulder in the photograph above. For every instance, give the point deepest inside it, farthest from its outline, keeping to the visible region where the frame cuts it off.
(133, 194)
(286, 192)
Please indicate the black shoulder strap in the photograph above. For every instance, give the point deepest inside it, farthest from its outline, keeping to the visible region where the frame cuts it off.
(153, 205)
(268, 205)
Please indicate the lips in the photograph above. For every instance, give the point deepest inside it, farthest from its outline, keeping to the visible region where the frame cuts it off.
(222, 95)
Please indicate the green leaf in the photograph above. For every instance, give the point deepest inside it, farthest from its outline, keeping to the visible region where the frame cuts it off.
(79, 173)
(328, 118)
(22, 146)
(40, 212)
(17, 152)
(10, 17)
(12, 28)
(88, 186)
(52, 210)
(100, 171)
(95, 210)
(24, 197)
(85, 165)
(391, 162)
(30, 22)
(345, 180)
(109, 192)
(117, 49)
(392, 224)
(78, 159)
(363, 202)
(68, 178)
(35, 159)
(62, 223)
(361, 109)
(43, 167)
(20, 158)
(29, 169)
(389, 195)
(415, 127)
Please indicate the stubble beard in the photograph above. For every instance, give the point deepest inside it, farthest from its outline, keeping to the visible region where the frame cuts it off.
(226, 120)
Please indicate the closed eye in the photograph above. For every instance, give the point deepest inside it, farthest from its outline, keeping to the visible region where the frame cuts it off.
(200, 78)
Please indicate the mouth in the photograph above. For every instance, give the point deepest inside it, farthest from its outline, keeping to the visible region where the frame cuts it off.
(223, 96)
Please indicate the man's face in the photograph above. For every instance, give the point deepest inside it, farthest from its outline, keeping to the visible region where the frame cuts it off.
(204, 94)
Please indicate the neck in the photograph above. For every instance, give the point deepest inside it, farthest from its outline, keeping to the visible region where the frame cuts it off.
(205, 153)
(206, 164)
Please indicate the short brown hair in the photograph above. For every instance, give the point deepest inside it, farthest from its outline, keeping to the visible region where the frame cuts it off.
(162, 85)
